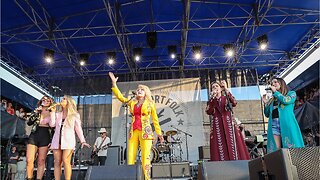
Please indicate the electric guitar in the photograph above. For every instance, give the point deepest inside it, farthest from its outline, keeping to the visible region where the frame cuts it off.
(95, 153)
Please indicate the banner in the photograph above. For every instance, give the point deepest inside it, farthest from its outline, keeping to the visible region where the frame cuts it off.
(178, 107)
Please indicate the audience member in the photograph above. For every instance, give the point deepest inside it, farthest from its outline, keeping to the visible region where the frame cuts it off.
(3, 104)
(21, 167)
(20, 113)
(10, 109)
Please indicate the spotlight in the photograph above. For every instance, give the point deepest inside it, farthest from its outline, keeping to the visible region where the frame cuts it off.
(263, 42)
(172, 51)
(229, 50)
(137, 52)
(110, 61)
(111, 57)
(83, 59)
(48, 55)
(152, 39)
(197, 52)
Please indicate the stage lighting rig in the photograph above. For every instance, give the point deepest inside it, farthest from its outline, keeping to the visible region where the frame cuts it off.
(196, 52)
(263, 42)
(172, 51)
(152, 39)
(111, 57)
(229, 50)
(84, 57)
(48, 55)
(137, 52)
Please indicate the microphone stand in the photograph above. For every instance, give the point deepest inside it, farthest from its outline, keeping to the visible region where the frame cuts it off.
(79, 176)
(186, 134)
(125, 105)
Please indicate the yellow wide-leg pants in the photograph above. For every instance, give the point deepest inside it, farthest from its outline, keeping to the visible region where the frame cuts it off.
(145, 146)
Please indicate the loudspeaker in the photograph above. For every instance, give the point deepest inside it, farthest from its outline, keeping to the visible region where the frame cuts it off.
(152, 39)
(122, 172)
(287, 164)
(204, 152)
(178, 169)
(114, 156)
(226, 170)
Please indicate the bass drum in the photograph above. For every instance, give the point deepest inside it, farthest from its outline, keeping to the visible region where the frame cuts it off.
(154, 155)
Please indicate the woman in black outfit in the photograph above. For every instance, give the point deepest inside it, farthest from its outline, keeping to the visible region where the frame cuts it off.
(40, 137)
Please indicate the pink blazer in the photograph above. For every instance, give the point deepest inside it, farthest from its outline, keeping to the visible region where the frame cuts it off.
(68, 137)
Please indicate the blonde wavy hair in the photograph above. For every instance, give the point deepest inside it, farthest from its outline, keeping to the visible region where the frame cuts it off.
(147, 91)
(71, 111)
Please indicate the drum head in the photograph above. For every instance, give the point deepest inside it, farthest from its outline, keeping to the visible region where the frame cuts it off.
(163, 148)
(154, 155)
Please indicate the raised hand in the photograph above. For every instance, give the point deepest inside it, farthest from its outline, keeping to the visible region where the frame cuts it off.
(113, 78)
(224, 85)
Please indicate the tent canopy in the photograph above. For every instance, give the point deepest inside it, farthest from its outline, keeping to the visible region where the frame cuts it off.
(73, 27)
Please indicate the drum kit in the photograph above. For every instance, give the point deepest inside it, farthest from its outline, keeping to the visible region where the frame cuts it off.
(170, 150)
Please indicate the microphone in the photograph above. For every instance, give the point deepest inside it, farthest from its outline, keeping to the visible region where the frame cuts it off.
(134, 93)
(52, 106)
(268, 89)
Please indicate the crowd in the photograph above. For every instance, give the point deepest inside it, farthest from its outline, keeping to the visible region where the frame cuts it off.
(19, 110)
(307, 94)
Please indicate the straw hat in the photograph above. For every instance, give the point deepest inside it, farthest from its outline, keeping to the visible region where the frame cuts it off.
(102, 130)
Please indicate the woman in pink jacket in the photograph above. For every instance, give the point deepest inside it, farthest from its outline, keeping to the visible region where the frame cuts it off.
(67, 123)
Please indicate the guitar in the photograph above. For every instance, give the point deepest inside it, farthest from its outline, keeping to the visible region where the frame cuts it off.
(95, 153)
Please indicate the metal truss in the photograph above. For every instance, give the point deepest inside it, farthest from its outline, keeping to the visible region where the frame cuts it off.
(51, 30)
(40, 17)
(23, 69)
(258, 14)
(284, 17)
(298, 50)
(119, 29)
(184, 31)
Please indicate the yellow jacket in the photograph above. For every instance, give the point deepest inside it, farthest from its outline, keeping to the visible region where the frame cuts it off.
(148, 108)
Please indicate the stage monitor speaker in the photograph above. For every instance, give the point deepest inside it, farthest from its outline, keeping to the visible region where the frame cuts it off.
(204, 152)
(114, 156)
(115, 172)
(226, 170)
(287, 164)
(178, 169)
(78, 174)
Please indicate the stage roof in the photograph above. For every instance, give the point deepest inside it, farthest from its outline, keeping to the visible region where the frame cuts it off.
(96, 27)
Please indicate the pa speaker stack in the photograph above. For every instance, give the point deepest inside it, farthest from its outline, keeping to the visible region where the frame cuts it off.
(226, 170)
(122, 172)
(170, 170)
(287, 164)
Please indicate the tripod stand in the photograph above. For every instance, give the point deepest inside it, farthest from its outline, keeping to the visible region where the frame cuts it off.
(186, 134)
(79, 149)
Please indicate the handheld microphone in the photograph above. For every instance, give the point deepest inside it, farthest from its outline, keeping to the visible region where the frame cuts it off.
(268, 89)
(52, 106)
(134, 93)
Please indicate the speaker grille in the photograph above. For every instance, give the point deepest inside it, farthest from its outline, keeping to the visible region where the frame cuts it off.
(307, 161)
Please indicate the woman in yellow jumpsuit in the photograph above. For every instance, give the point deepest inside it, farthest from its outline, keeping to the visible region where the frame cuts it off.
(141, 108)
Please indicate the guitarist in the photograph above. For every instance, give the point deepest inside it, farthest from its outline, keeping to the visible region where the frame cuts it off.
(100, 148)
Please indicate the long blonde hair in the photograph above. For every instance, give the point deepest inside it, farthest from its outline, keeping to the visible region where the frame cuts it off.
(71, 111)
(147, 91)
